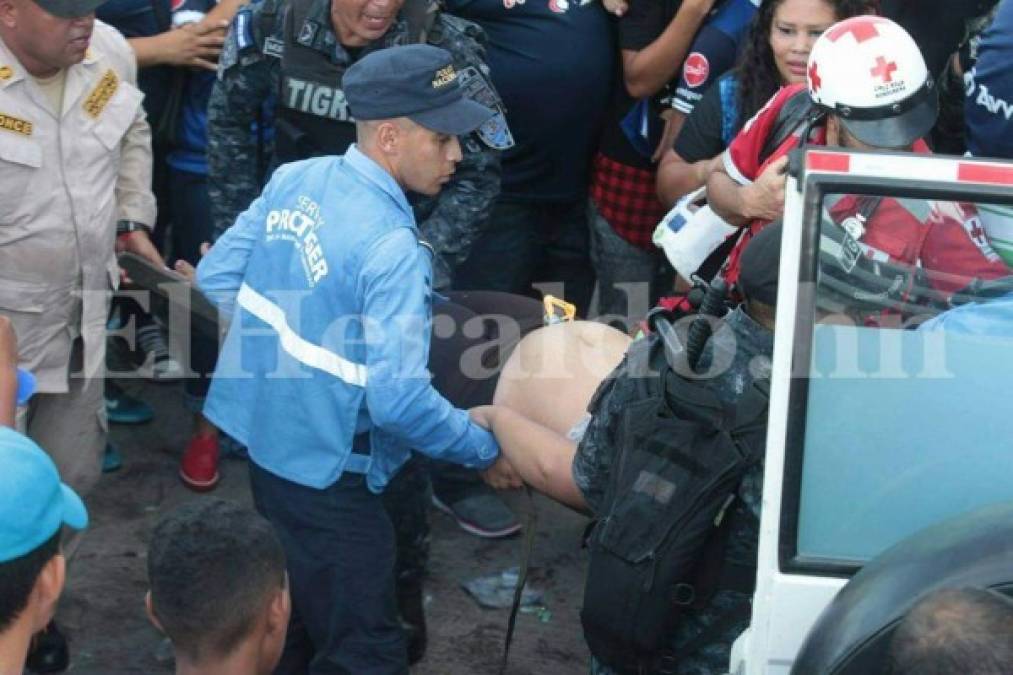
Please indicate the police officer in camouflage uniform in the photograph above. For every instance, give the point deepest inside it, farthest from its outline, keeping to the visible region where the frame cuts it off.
(287, 59)
(703, 637)
(291, 50)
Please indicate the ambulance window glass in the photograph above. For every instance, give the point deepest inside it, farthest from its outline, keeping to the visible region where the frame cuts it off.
(908, 405)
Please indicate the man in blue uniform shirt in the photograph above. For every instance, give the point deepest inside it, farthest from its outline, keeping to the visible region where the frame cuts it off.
(323, 373)
(988, 116)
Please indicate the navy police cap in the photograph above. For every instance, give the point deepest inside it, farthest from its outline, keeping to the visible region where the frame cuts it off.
(414, 81)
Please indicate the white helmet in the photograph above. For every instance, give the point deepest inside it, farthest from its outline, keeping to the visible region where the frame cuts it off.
(868, 72)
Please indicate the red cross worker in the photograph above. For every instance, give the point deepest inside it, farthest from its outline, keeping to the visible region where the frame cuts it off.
(867, 69)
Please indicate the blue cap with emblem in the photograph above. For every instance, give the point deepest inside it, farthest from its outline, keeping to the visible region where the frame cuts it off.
(34, 503)
(414, 81)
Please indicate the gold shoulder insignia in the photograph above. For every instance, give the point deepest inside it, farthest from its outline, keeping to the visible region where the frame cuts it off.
(15, 125)
(6, 73)
(100, 95)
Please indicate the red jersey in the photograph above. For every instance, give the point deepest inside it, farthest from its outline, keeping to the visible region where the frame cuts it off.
(947, 239)
(742, 157)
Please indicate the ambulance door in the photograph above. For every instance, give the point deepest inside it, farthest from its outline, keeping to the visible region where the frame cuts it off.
(889, 404)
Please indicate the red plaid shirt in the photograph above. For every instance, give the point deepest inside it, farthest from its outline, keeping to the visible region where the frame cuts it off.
(626, 198)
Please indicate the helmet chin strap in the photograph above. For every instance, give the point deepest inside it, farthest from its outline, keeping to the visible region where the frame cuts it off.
(819, 115)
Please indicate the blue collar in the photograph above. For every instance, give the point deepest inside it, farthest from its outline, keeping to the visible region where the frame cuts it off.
(376, 174)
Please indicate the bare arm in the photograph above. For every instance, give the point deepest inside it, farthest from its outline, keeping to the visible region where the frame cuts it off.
(542, 457)
(739, 204)
(677, 177)
(647, 70)
(674, 121)
(195, 45)
(617, 7)
(223, 12)
(544, 389)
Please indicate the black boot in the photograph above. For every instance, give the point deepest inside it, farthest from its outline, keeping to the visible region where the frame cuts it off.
(413, 618)
(48, 653)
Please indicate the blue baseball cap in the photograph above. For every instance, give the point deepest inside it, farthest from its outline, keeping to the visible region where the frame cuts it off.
(34, 503)
(414, 81)
(26, 386)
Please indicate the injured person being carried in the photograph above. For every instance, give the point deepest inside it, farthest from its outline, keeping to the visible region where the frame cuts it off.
(629, 432)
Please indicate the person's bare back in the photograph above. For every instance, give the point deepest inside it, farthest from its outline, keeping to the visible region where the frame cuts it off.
(553, 372)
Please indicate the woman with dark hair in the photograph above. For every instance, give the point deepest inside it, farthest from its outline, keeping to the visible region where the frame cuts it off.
(775, 54)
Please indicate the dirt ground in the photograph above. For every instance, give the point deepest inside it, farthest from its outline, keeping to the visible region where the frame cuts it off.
(103, 614)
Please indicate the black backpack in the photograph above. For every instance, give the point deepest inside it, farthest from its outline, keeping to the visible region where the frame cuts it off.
(657, 547)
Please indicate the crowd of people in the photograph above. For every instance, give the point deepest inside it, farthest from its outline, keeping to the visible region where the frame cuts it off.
(377, 194)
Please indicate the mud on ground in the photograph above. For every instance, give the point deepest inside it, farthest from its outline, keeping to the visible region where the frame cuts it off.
(103, 611)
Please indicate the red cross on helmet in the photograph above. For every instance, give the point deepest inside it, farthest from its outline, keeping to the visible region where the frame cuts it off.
(868, 72)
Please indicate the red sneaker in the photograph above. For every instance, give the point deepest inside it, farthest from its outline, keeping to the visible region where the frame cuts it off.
(199, 467)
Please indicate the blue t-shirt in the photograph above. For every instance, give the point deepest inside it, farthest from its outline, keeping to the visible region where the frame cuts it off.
(988, 108)
(190, 147)
(552, 62)
(715, 50)
(138, 18)
(190, 150)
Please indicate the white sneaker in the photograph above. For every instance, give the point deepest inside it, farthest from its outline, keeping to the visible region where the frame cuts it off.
(151, 343)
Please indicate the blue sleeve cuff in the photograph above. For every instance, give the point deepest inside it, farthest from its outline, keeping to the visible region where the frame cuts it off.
(486, 447)
(26, 386)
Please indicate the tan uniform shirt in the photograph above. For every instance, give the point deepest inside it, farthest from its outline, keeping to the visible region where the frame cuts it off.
(52, 88)
(64, 182)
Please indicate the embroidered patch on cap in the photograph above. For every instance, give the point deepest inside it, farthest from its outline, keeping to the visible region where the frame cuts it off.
(444, 76)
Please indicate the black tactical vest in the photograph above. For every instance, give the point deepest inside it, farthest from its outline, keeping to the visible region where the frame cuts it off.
(313, 117)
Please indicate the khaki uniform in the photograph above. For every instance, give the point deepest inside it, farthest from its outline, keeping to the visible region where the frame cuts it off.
(64, 182)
